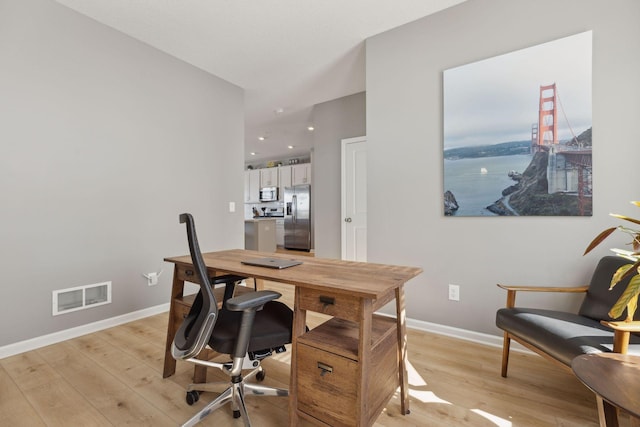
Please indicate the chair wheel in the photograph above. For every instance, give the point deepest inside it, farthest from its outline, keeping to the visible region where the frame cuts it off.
(260, 375)
(236, 414)
(192, 397)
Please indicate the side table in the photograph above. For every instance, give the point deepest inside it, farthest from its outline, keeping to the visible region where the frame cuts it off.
(615, 380)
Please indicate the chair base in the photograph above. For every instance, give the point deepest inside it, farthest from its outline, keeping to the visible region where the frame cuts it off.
(235, 394)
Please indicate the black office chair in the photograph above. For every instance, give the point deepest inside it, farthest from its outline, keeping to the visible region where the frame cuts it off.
(249, 328)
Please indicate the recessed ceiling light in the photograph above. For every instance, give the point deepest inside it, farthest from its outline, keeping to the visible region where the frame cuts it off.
(279, 110)
(261, 138)
(290, 147)
(253, 153)
(310, 128)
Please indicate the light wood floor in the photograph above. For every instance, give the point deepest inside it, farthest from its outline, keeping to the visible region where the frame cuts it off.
(113, 377)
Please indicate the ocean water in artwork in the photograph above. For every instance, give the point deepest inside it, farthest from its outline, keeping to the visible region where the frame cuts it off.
(478, 182)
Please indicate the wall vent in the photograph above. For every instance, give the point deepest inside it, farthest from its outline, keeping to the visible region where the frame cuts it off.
(81, 297)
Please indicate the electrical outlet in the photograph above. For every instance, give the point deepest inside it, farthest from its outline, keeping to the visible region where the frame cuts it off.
(152, 278)
(454, 292)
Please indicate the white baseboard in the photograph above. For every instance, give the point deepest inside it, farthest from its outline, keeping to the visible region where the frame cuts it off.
(462, 334)
(56, 337)
(34, 343)
(449, 331)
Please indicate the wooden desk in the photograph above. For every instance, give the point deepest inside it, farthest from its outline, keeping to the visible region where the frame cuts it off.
(614, 378)
(349, 291)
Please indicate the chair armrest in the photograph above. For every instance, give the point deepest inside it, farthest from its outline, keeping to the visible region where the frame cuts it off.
(623, 326)
(251, 300)
(622, 330)
(229, 281)
(511, 291)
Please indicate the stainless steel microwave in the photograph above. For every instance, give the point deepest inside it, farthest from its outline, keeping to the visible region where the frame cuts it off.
(269, 194)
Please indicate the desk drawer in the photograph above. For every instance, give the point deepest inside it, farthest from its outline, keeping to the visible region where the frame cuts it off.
(326, 386)
(182, 307)
(187, 274)
(337, 305)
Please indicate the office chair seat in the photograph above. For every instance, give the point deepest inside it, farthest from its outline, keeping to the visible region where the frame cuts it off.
(271, 328)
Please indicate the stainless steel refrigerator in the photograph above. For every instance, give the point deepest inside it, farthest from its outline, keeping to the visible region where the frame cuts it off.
(297, 217)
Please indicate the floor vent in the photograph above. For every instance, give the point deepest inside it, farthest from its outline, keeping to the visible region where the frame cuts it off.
(81, 297)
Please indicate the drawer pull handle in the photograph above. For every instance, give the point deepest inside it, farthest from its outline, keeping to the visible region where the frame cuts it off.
(324, 368)
(189, 272)
(327, 300)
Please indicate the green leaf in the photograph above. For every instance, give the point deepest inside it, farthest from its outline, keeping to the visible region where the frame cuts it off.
(623, 272)
(632, 291)
(631, 307)
(620, 274)
(599, 238)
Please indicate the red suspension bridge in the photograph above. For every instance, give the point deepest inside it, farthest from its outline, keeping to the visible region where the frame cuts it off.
(569, 167)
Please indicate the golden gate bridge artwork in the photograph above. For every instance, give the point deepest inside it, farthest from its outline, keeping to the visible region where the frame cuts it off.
(569, 166)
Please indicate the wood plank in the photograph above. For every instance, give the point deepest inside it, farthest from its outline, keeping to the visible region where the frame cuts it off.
(142, 350)
(14, 407)
(139, 377)
(113, 398)
(56, 401)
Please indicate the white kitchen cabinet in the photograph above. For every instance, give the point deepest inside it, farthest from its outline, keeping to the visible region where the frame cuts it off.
(252, 186)
(284, 180)
(301, 174)
(269, 177)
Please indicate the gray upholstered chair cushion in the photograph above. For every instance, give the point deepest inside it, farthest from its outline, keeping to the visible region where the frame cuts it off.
(561, 335)
(599, 299)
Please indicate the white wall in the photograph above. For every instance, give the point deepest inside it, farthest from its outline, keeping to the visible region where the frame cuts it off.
(334, 121)
(404, 136)
(104, 142)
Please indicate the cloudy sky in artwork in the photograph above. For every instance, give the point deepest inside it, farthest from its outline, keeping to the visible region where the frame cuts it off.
(496, 100)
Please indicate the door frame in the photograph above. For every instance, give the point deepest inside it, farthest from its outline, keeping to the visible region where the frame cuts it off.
(343, 191)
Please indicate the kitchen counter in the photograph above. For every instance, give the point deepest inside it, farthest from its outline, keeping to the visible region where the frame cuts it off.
(260, 234)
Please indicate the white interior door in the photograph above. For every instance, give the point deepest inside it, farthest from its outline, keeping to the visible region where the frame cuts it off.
(354, 199)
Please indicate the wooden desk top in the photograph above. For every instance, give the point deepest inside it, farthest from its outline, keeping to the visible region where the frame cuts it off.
(612, 376)
(361, 279)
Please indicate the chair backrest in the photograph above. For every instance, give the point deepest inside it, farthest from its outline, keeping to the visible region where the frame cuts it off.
(197, 327)
(599, 298)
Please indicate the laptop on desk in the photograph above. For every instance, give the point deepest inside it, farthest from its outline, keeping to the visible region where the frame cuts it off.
(271, 262)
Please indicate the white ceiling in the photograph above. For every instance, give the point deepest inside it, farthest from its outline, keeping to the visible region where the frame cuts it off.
(286, 54)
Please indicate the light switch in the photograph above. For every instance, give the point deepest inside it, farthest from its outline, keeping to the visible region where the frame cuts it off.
(232, 207)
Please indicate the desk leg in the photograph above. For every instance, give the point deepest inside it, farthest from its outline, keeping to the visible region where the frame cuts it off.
(402, 350)
(607, 413)
(299, 326)
(364, 362)
(177, 289)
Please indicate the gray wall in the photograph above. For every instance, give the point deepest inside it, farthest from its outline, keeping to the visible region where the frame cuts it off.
(404, 132)
(334, 121)
(104, 141)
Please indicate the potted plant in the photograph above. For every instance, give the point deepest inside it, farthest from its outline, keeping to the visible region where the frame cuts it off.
(629, 298)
